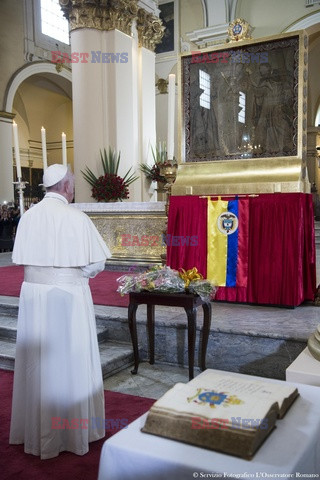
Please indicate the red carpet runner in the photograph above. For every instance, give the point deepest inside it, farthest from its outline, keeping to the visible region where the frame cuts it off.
(17, 465)
(103, 286)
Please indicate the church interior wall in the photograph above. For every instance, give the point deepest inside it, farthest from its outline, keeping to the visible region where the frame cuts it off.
(11, 42)
(313, 110)
(192, 16)
(272, 17)
(313, 77)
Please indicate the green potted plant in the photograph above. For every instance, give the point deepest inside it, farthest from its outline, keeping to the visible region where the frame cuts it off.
(109, 187)
(152, 172)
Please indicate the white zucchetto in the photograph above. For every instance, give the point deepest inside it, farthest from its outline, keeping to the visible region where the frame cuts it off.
(54, 174)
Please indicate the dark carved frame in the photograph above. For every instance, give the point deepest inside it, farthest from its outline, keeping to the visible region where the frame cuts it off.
(272, 100)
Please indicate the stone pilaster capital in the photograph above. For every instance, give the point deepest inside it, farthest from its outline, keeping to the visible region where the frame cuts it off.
(100, 14)
(7, 115)
(150, 29)
(120, 15)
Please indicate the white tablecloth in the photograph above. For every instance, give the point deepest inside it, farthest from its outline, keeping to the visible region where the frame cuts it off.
(292, 450)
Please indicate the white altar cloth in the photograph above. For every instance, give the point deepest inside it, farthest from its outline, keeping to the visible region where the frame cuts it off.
(291, 451)
(121, 207)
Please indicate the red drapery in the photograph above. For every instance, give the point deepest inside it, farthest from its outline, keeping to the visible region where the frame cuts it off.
(187, 218)
(281, 263)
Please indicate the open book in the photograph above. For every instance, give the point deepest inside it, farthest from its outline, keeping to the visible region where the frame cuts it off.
(221, 412)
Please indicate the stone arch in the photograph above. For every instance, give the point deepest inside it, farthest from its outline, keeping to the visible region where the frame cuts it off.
(62, 79)
(304, 23)
(26, 72)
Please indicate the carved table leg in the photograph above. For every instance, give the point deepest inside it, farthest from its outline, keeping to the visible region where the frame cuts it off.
(205, 332)
(133, 332)
(150, 323)
(192, 317)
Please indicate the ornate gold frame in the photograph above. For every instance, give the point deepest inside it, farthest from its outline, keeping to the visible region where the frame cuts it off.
(258, 171)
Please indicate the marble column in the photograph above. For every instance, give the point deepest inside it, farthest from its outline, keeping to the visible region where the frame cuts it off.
(313, 138)
(6, 176)
(313, 165)
(109, 94)
(150, 32)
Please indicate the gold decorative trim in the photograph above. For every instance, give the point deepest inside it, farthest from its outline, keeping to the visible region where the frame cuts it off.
(100, 14)
(150, 29)
(8, 115)
(241, 176)
(239, 29)
(162, 85)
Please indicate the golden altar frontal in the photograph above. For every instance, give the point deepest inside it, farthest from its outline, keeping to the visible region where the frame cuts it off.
(133, 231)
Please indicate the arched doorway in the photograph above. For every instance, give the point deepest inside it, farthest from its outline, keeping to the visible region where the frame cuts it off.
(38, 96)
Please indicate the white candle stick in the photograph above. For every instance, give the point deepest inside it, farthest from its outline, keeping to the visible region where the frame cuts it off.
(44, 148)
(16, 149)
(171, 115)
(64, 149)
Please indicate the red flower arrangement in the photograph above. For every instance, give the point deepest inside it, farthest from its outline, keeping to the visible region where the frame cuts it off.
(153, 173)
(110, 187)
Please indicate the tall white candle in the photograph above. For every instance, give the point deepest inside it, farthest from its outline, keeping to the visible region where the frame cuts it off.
(16, 149)
(64, 149)
(171, 115)
(44, 148)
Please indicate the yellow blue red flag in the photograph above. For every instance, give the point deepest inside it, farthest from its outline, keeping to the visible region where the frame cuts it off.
(227, 242)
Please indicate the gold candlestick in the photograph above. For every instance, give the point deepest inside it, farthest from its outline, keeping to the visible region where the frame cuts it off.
(169, 171)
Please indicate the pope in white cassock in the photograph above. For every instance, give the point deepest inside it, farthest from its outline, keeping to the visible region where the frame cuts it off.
(58, 397)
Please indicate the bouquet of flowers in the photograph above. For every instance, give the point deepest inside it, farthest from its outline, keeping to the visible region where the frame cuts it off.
(167, 280)
(195, 283)
(160, 279)
(109, 186)
(153, 172)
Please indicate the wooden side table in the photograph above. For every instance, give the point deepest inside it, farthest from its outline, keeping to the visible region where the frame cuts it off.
(190, 302)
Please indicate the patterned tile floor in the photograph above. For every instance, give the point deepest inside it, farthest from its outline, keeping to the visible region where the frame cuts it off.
(151, 381)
